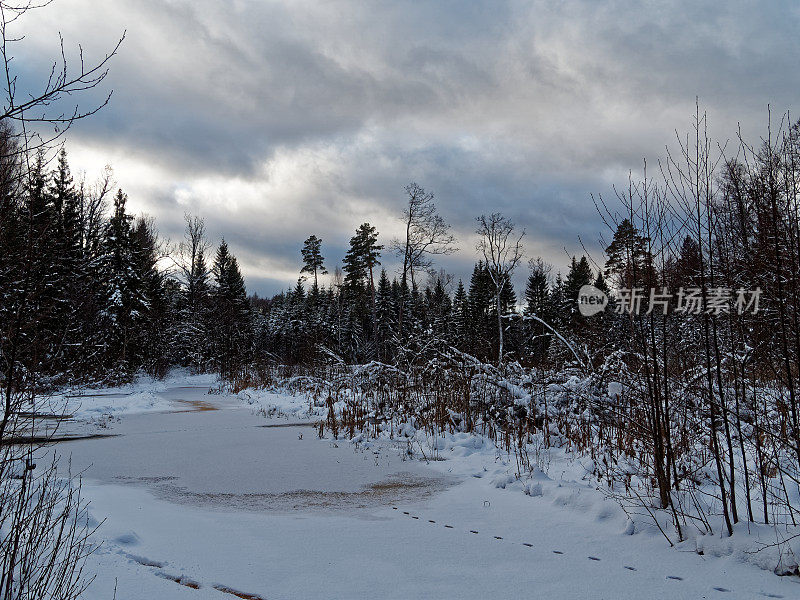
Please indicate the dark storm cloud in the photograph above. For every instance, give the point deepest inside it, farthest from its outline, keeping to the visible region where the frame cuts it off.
(199, 87)
(275, 120)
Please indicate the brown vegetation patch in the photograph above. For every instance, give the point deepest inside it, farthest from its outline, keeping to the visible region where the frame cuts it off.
(398, 488)
(197, 405)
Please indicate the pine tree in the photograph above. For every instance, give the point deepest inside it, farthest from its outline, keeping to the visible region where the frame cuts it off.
(629, 264)
(362, 257)
(313, 261)
(359, 264)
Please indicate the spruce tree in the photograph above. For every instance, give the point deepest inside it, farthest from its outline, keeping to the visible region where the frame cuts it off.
(43, 280)
(124, 297)
(481, 302)
(68, 273)
(537, 289)
(461, 314)
(580, 274)
(537, 303)
(229, 313)
(154, 336)
(557, 308)
(385, 311)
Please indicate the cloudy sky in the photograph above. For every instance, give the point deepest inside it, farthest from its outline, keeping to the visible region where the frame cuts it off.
(276, 120)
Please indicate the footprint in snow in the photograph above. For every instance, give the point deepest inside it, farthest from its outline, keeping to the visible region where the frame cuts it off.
(127, 539)
(180, 580)
(233, 592)
(142, 560)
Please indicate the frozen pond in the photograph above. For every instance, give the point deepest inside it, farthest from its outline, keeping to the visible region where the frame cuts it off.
(211, 451)
(199, 498)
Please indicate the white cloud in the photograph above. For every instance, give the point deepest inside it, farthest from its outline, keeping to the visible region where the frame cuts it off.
(275, 120)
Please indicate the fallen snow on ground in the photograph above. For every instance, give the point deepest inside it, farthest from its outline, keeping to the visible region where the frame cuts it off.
(562, 479)
(225, 503)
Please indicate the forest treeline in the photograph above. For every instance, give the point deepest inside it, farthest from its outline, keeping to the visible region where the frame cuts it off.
(97, 295)
(692, 397)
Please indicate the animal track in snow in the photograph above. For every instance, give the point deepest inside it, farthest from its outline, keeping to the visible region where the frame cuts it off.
(158, 565)
(142, 560)
(594, 558)
(244, 595)
(180, 580)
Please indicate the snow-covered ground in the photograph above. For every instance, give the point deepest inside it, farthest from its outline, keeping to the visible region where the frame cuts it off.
(200, 503)
(143, 395)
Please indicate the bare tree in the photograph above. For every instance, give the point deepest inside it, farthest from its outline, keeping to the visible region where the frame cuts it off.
(427, 235)
(502, 250)
(48, 104)
(192, 251)
(43, 521)
(92, 207)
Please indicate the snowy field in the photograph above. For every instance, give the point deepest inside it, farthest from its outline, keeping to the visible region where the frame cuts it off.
(204, 495)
